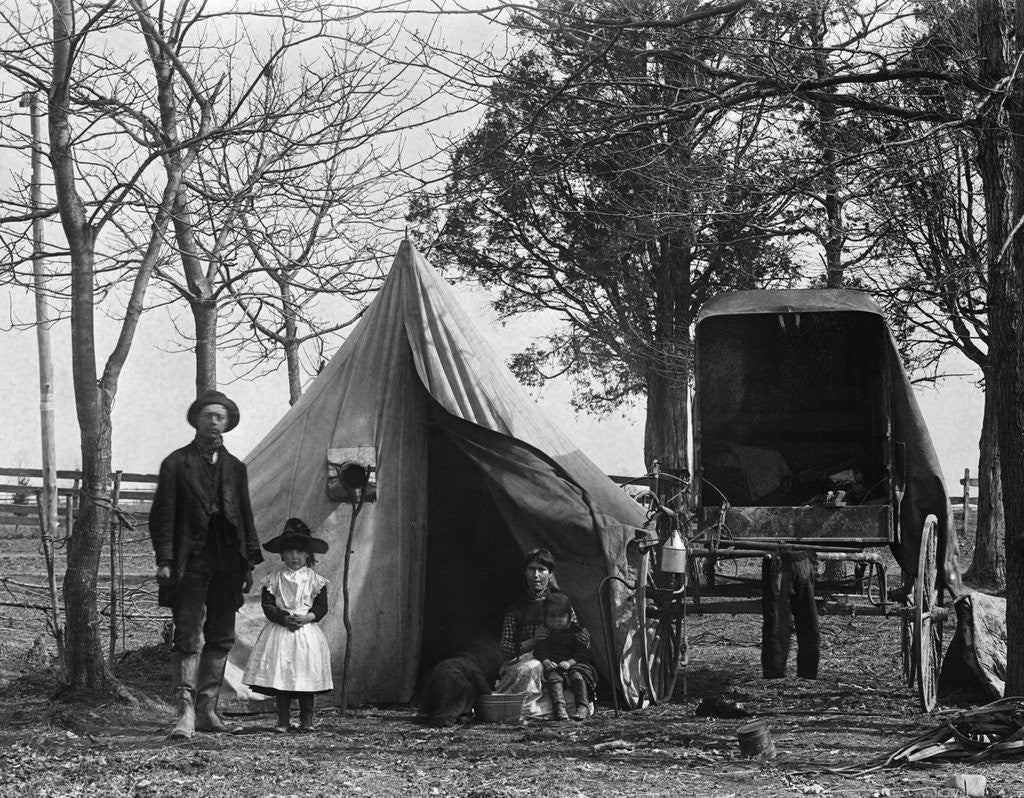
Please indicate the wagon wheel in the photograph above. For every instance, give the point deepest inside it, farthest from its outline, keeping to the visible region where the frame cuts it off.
(928, 617)
(659, 601)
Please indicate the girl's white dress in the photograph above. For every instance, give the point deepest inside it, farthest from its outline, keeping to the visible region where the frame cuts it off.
(284, 660)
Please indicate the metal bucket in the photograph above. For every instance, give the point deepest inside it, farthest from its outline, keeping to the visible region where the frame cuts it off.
(673, 556)
(756, 739)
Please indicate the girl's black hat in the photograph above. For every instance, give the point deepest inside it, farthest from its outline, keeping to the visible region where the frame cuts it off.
(296, 535)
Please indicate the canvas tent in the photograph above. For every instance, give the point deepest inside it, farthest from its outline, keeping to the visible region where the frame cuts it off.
(468, 476)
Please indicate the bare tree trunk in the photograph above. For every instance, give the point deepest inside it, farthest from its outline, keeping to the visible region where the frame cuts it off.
(94, 395)
(1002, 168)
(666, 432)
(291, 340)
(988, 567)
(666, 436)
(824, 139)
(1006, 318)
(1007, 346)
(200, 293)
(835, 233)
(200, 296)
(291, 354)
(205, 315)
(87, 667)
(833, 216)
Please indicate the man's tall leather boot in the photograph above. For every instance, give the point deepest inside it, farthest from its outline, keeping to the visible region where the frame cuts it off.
(211, 674)
(184, 672)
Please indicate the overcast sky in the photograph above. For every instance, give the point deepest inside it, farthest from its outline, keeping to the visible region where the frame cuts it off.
(157, 385)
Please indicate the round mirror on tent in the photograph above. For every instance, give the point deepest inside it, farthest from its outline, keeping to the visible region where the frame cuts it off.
(351, 474)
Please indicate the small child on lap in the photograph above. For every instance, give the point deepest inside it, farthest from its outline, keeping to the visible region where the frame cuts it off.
(565, 656)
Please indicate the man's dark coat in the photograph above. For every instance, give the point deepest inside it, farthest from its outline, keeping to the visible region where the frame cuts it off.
(180, 515)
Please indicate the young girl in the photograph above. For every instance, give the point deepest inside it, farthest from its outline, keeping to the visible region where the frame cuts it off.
(291, 658)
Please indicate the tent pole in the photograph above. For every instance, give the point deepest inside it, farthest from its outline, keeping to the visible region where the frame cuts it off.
(345, 615)
(603, 596)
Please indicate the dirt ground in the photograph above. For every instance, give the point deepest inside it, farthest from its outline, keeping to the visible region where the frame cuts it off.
(831, 734)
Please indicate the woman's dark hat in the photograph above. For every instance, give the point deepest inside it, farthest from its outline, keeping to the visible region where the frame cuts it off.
(213, 398)
(296, 535)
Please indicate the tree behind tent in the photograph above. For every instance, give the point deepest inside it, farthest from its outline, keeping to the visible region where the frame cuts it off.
(579, 194)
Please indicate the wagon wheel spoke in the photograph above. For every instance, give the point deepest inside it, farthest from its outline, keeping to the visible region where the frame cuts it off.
(661, 621)
(907, 647)
(693, 583)
(643, 570)
(664, 648)
(927, 625)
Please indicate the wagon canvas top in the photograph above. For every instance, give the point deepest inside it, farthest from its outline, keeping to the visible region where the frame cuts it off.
(793, 300)
(794, 382)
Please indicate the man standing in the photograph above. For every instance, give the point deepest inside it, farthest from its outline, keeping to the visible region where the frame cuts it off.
(205, 544)
(787, 600)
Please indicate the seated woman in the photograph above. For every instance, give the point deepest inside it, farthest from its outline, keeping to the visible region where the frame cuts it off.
(522, 627)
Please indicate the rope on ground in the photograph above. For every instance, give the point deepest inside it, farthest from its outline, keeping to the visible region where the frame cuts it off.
(994, 730)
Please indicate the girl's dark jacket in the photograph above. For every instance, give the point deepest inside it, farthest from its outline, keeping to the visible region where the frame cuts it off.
(180, 515)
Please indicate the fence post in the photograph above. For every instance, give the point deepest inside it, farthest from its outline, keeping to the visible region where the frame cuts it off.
(72, 507)
(966, 482)
(115, 530)
(47, 540)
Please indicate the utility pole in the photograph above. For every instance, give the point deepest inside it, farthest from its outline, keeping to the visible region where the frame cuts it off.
(48, 498)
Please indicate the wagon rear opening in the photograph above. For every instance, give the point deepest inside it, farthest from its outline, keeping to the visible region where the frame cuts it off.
(793, 410)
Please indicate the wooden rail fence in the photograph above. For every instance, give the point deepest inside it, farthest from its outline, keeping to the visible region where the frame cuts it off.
(131, 496)
(18, 487)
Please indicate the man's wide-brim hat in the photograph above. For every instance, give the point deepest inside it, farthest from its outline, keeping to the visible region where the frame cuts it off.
(296, 535)
(213, 398)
